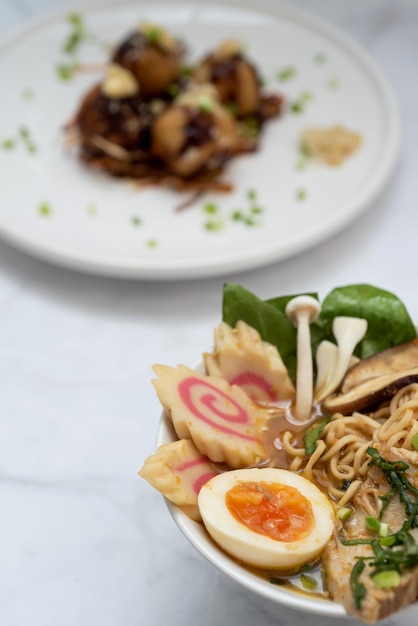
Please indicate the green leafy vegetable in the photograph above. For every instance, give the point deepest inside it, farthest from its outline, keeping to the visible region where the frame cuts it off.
(389, 323)
(392, 554)
(395, 475)
(312, 436)
(358, 589)
(267, 317)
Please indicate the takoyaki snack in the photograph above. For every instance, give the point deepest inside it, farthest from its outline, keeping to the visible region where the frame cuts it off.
(153, 56)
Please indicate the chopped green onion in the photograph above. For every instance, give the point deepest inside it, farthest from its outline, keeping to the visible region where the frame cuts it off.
(151, 243)
(301, 194)
(372, 524)
(308, 582)
(415, 441)
(44, 209)
(296, 107)
(206, 104)
(388, 541)
(8, 143)
(211, 208)
(384, 529)
(214, 226)
(153, 34)
(386, 579)
(381, 528)
(66, 71)
(286, 73)
(344, 513)
(237, 215)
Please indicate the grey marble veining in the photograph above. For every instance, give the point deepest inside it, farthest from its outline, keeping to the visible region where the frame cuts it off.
(83, 541)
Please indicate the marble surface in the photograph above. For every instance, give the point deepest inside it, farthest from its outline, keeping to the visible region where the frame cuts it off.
(83, 540)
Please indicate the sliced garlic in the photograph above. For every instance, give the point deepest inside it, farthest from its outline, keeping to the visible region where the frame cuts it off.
(119, 82)
(198, 96)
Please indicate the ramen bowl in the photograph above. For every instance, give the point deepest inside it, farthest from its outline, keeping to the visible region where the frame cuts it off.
(197, 535)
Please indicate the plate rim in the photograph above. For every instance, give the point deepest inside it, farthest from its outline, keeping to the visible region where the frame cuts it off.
(185, 269)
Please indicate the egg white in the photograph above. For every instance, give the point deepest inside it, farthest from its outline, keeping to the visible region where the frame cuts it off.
(253, 548)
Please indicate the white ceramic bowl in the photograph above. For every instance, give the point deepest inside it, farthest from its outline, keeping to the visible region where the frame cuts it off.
(198, 537)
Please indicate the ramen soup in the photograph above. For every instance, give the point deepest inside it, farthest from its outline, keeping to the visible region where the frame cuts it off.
(297, 446)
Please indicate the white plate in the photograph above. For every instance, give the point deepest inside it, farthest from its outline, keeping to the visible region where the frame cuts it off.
(199, 539)
(91, 226)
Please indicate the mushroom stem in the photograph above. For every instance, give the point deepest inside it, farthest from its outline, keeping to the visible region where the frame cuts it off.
(302, 311)
(348, 331)
(326, 360)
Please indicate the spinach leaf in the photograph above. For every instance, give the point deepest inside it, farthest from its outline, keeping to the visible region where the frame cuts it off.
(266, 316)
(389, 323)
(312, 436)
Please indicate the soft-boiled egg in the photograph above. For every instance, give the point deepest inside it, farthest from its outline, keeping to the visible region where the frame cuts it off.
(266, 517)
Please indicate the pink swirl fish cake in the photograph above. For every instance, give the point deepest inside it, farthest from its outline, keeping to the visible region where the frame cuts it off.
(244, 359)
(179, 471)
(224, 424)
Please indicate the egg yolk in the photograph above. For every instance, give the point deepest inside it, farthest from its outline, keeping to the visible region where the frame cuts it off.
(278, 511)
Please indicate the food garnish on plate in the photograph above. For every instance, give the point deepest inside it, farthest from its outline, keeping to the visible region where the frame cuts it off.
(333, 492)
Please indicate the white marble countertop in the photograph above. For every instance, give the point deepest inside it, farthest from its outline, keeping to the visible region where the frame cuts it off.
(83, 540)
